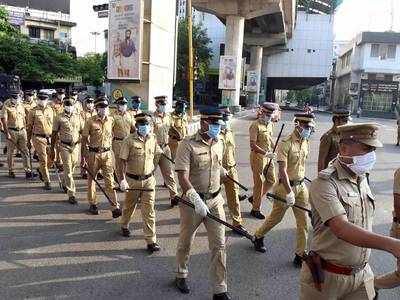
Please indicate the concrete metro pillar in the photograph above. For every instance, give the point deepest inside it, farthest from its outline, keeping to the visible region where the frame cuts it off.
(256, 56)
(234, 47)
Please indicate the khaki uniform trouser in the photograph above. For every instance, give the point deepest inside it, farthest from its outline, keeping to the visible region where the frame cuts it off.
(278, 211)
(57, 156)
(146, 200)
(42, 151)
(392, 279)
(69, 157)
(18, 138)
(173, 146)
(190, 222)
(398, 135)
(116, 147)
(104, 162)
(261, 183)
(354, 287)
(232, 196)
(166, 169)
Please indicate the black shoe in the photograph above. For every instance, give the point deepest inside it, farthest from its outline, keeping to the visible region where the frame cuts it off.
(64, 188)
(93, 209)
(116, 213)
(72, 200)
(11, 174)
(222, 296)
(99, 176)
(259, 245)
(40, 175)
(397, 144)
(153, 247)
(1, 165)
(60, 168)
(47, 186)
(174, 202)
(242, 197)
(30, 175)
(84, 176)
(125, 232)
(35, 157)
(250, 199)
(376, 295)
(298, 261)
(181, 285)
(118, 190)
(257, 214)
(18, 155)
(5, 150)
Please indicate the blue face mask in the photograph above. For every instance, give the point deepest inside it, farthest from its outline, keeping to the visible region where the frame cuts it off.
(162, 108)
(213, 131)
(144, 130)
(306, 134)
(180, 109)
(136, 105)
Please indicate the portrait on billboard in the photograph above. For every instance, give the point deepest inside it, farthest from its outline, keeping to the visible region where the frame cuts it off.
(252, 81)
(125, 35)
(227, 76)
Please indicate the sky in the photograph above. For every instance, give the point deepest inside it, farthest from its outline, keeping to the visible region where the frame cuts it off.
(352, 16)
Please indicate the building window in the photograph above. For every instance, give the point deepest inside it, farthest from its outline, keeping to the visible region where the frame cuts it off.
(375, 50)
(391, 53)
(34, 32)
(48, 35)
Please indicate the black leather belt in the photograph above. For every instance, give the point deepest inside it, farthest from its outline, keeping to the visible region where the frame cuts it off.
(118, 139)
(16, 129)
(139, 177)
(209, 196)
(42, 135)
(162, 146)
(99, 150)
(296, 182)
(68, 144)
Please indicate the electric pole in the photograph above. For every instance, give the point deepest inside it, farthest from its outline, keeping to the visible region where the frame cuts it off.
(190, 37)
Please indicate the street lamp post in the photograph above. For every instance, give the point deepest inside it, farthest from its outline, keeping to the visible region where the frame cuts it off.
(95, 33)
(190, 36)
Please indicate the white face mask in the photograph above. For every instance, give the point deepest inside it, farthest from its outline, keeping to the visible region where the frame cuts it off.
(103, 112)
(361, 164)
(90, 106)
(122, 108)
(29, 99)
(42, 103)
(69, 109)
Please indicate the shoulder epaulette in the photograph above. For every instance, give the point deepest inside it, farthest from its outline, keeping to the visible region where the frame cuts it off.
(327, 173)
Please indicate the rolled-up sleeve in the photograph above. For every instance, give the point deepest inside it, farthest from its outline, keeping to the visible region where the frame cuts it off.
(325, 200)
(182, 162)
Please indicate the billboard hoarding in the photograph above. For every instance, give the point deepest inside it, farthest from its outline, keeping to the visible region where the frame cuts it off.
(125, 40)
(227, 75)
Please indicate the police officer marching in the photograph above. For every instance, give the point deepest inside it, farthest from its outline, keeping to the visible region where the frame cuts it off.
(97, 139)
(261, 146)
(138, 154)
(329, 144)
(342, 216)
(198, 164)
(14, 122)
(178, 130)
(29, 102)
(161, 125)
(136, 103)
(291, 156)
(67, 129)
(87, 112)
(124, 124)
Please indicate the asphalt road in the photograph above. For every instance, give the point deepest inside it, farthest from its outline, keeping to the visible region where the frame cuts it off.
(52, 250)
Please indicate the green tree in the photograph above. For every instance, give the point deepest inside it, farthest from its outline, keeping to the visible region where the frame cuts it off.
(201, 57)
(5, 27)
(92, 68)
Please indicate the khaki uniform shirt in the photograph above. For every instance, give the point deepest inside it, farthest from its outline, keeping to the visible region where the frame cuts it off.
(328, 148)
(78, 107)
(99, 132)
(179, 123)
(124, 124)
(334, 193)
(68, 127)
(140, 154)
(13, 114)
(228, 160)
(293, 151)
(86, 115)
(134, 112)
(40, 121)
(261, 133)
(28, 106)
(202, 161)
(161, 127)
(58, 108)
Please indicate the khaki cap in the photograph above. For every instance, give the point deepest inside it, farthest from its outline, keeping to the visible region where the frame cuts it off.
(341, 113)
(270, 106)
(365, 133)
(305, 118)
(143, 118)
